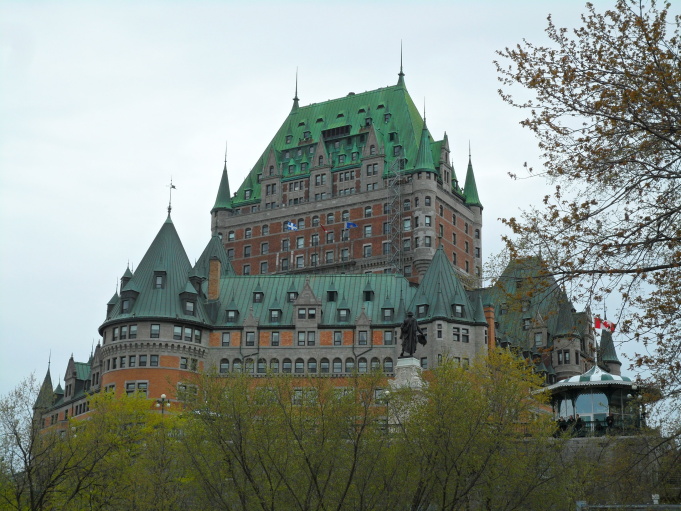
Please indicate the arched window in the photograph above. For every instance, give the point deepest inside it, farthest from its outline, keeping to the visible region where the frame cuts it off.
(349, 365)
(362, 365)
(250, 366)
(388, 365)
(271, 170)
(274, 365)
(262, 366)
(312, 366)
(286, 366)
(375, 364)
(236, 365)
(407, 204)
(324, 366)
(224, 366)
(300, 366)
(337, 366)
(301, 223)
(321, 160)
(315, 221)
(345, 216)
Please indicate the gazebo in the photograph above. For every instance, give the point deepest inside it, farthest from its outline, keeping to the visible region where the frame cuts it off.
(596, 394)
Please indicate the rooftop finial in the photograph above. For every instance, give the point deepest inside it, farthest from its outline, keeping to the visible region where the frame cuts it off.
(424, 110)
(170, 200)
(400, 81)
(295, 97)
(469, 150)
(225, 154)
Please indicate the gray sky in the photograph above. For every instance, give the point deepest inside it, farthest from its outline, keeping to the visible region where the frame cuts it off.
(102, 102)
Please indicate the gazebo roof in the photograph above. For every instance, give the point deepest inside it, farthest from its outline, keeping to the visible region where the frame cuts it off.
(594, 377)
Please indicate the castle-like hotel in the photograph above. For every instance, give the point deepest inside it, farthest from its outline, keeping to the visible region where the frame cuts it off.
(352, 216)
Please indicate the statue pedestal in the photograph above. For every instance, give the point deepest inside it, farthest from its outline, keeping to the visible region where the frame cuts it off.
(407, 374)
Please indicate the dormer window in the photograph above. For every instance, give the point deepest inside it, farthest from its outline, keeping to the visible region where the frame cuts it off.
(457, 310)
(258, 297)
(397, 150)
(331, 296)
(125, 306)
(343, 314)
(368, 296)
(292, 296)
(275, 315)
(421, 311)
(307, 134)
(159, 279)
(341, 158)
(386, 117)
(232, 316)
(247, 194)
(189, 307)
(289, 138)
(388, 314)
(355, 156)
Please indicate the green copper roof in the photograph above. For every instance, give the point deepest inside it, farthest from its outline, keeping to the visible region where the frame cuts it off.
(389, 107)
(238, 292)
(167, 258)
(424, 158)
(440, 289)
(214, 248)
(608, 353)
(224, 199)
(82, 370)
(470, 190)
(46, 395)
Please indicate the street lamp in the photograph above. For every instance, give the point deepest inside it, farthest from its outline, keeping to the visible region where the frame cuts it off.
(162, 403)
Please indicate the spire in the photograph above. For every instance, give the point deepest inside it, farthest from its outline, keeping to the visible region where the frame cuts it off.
(400, 80)
(608, 353)
(46, 394)
(424, 158)
(470, 190)
(171, 187)
(295, 97)
(224, 199)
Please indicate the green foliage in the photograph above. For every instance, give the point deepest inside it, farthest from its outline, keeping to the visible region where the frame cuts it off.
(476, 438)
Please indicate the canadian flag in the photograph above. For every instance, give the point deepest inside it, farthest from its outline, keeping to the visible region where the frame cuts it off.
(600, 324)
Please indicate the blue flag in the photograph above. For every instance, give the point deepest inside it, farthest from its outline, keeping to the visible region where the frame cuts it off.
(290, 226)
(349, 225)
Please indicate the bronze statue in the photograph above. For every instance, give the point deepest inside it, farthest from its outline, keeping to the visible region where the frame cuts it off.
(411, 333)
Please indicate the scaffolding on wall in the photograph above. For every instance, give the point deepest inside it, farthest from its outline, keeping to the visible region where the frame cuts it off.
(396, 179)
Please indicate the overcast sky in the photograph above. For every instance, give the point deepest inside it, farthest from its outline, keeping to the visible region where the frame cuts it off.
(102, 102)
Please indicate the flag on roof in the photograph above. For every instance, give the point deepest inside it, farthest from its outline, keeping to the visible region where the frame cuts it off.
(601, 324)
(350, 225)
(290, 226)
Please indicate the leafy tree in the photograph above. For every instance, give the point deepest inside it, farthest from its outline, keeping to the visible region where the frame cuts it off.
(604, 102)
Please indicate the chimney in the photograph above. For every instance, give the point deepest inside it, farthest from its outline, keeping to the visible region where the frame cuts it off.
(214, 272)
(491, 335)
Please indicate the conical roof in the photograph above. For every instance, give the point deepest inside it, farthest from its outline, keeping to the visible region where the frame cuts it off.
(608, 353)
(214, 248)
(223, 201)
(165, 257)
(46, 395)
(470, 190)
(424, 158)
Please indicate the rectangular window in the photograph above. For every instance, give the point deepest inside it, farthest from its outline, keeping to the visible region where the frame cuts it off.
(367, 231)
(538, 339)
(312, 313)
(275, 339)
(153, 360)
(566, 356)
(132, 359)
(560, 357)
(226, 338)
(250, 338)
(310, 338)
(455, 334)
(133, 332)
(366, 250)
(123, 360)
(177, 333)
(115, 333)
(388, 337)
(187, 334)
(424, 362)
(124, 332)
(301, 313)
(184, 362)
(246, 270)
(301, 338)
(143, 361)
(155, 331)
(337, 338)
(464, 335)
(363, 338)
